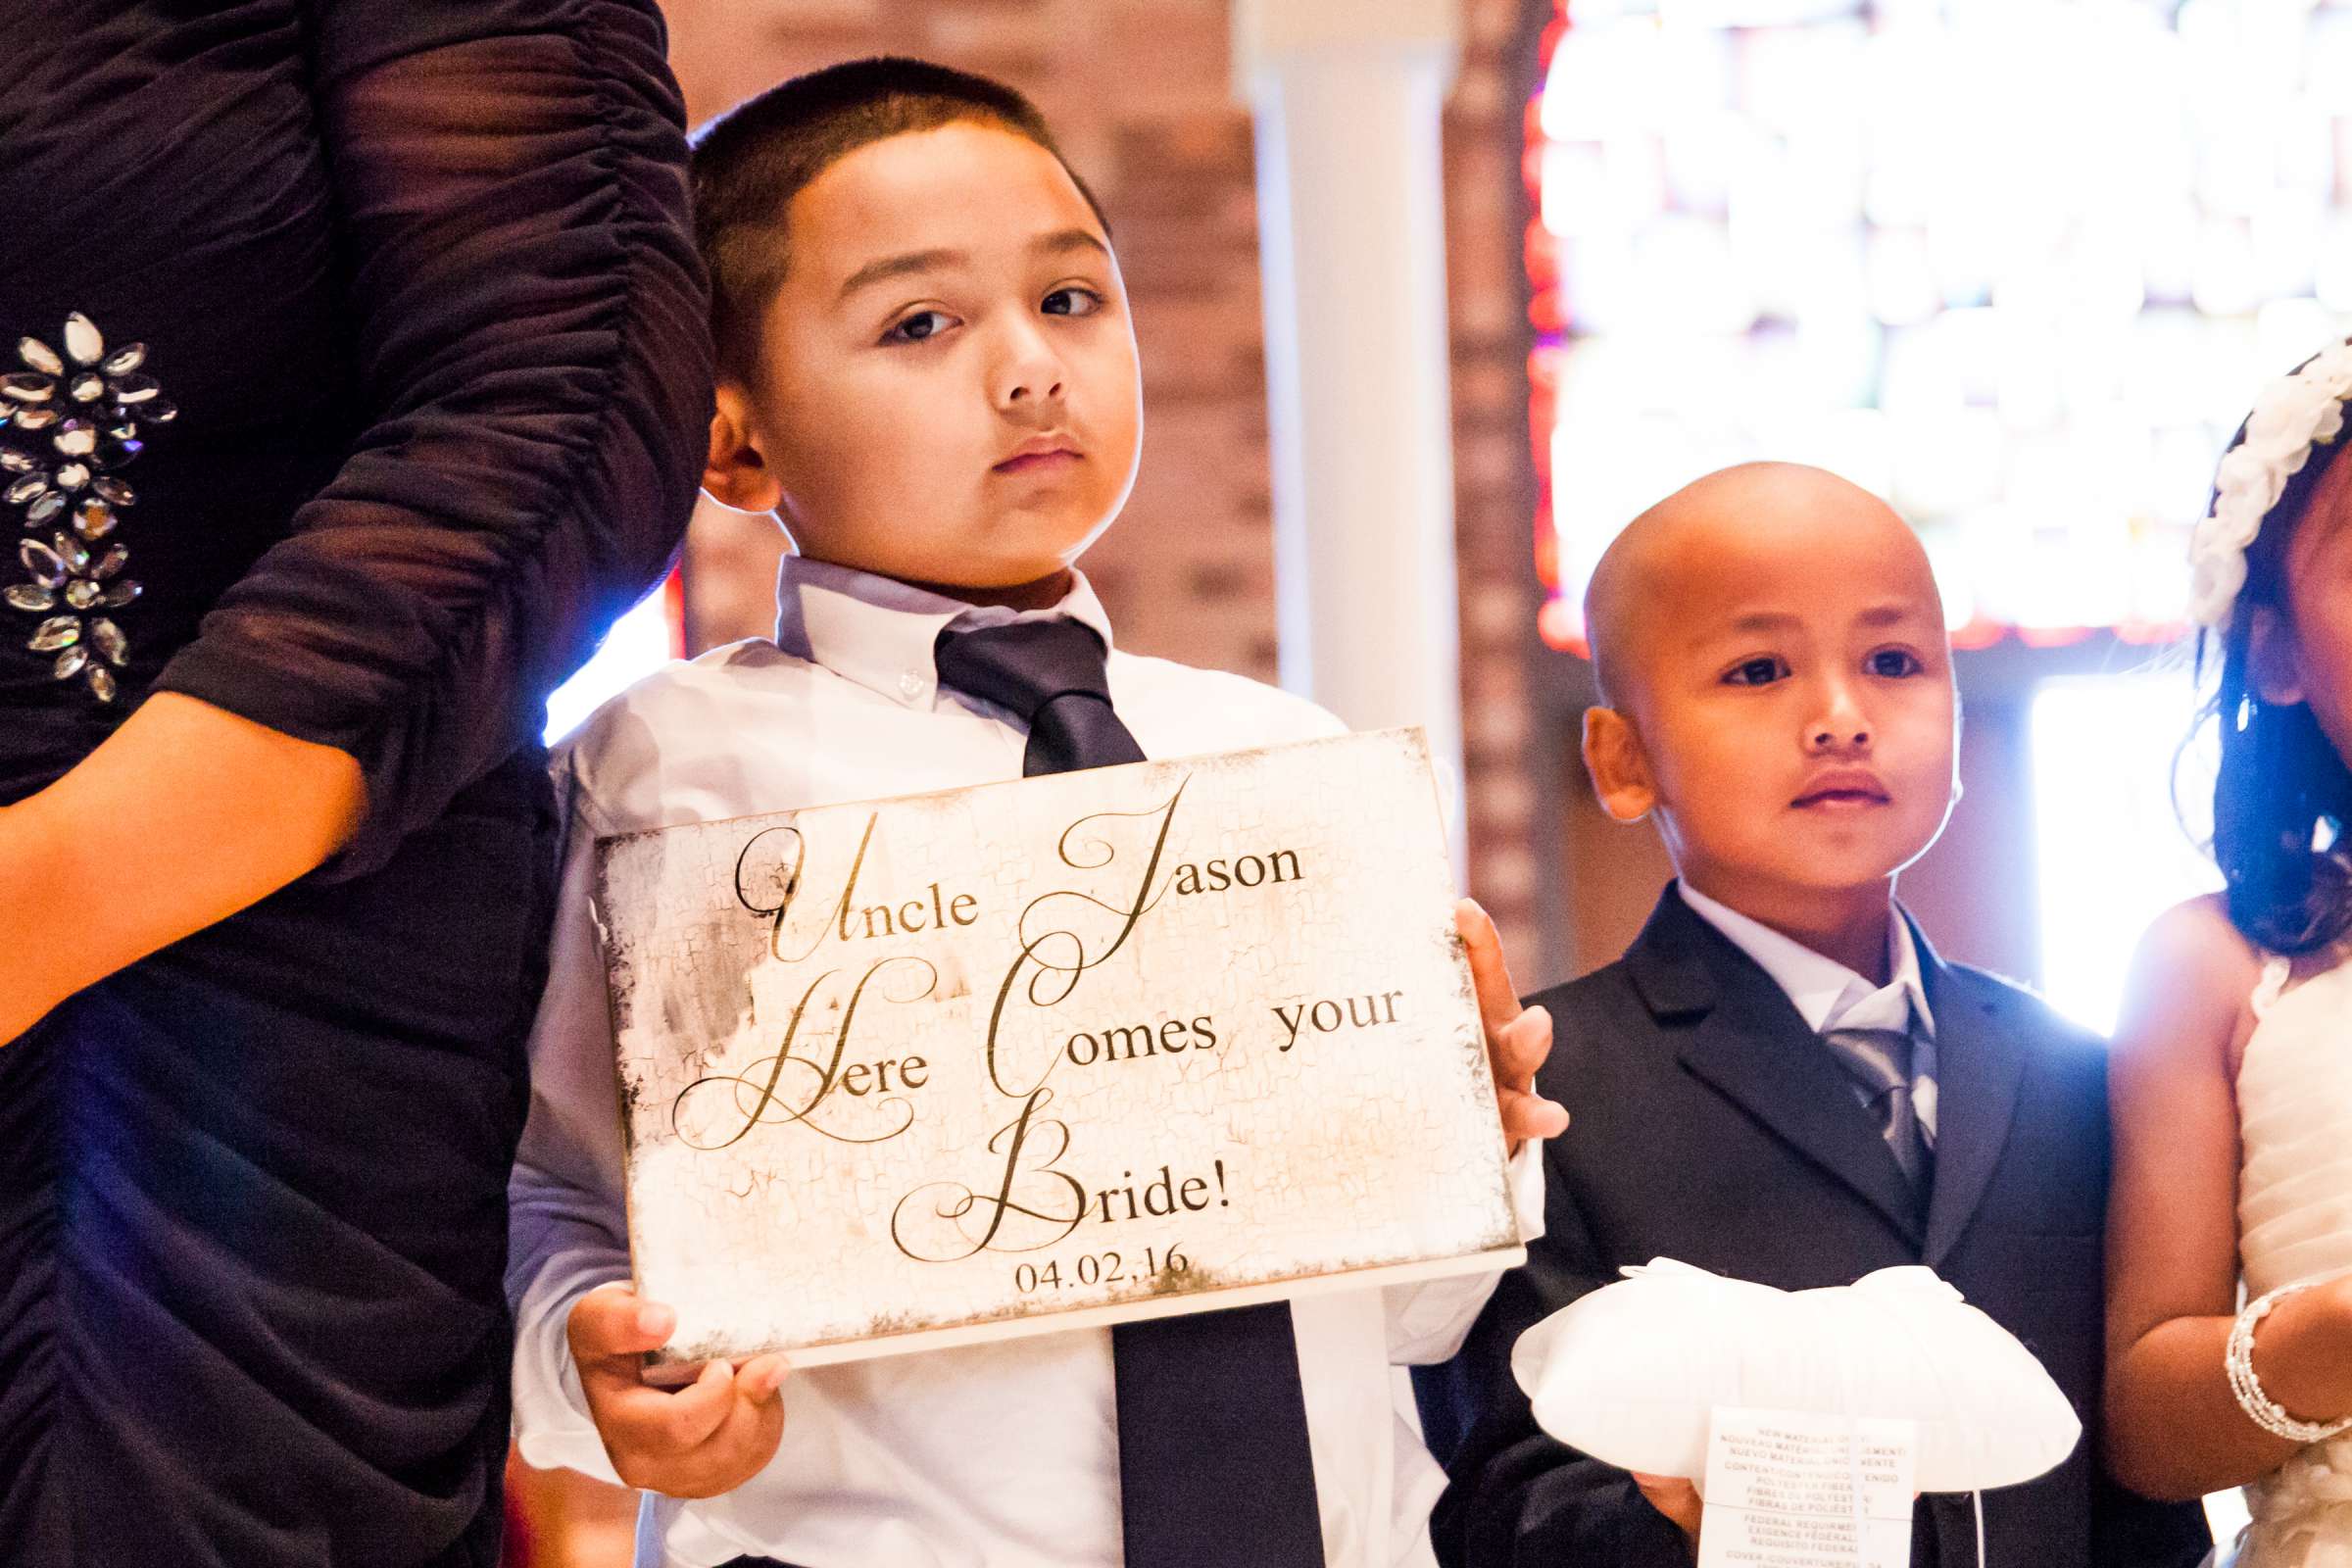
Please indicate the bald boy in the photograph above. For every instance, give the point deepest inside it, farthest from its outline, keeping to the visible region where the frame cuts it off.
(1781, 1080)
(1780, 699)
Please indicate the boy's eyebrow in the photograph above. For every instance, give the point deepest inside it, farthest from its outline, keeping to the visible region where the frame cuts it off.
(1064, 240)
(1892, 614)
(1765, 620)
(890, 267)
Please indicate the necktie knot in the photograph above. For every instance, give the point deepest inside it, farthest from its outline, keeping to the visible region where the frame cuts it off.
(1023, 666)
(1054, 677)
(1880, 1060)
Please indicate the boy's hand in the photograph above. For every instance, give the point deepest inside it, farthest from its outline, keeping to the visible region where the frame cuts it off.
(1518, 1039)
(1678, 1499)
(710, 1436)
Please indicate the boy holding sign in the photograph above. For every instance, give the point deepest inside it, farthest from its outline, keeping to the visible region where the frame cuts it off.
(928, 371)
(1779, 1081)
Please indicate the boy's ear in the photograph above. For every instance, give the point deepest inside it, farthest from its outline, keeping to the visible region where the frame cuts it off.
(1619, 766)
(2271, 661)
(736, 472)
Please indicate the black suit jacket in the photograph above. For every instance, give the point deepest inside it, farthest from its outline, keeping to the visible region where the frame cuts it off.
(1712, 1126)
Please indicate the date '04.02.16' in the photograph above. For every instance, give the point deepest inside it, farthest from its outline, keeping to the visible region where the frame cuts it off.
(1101, 1268)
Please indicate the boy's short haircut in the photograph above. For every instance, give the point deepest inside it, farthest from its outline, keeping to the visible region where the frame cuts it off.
(750, 162)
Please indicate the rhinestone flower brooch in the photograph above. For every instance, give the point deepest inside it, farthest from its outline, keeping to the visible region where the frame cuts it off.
(68, 423)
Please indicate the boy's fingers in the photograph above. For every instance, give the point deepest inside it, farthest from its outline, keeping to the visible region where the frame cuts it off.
(658, 1423)
(701, 1408)
(1521, 1047)
(614, 1322)
(744, 1440)
(759, 1379)
(1498, 1003)
(747, 1437)
(1678, 1499)
(1526, 1115)
(629, 1418)
(768, 1417)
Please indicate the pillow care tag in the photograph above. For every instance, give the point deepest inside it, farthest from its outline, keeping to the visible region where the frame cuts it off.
(1792, 1490)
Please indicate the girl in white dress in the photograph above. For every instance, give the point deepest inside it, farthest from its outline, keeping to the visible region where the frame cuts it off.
(2231, 1079)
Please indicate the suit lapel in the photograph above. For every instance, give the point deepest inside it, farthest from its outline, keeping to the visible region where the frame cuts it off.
(1741, 1036)
(1979, 1063)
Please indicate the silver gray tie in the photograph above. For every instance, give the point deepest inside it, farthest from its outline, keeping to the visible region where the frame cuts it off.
(1879, 1061)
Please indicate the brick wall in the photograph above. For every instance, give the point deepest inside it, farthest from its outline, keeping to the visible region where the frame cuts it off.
(1504, 747)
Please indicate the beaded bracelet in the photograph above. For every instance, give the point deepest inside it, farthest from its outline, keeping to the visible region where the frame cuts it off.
(2261, 1409)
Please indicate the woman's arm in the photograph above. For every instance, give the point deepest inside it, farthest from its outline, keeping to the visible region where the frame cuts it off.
(529, 324)
(528, 328)
(182, 817)
(2173, 1427)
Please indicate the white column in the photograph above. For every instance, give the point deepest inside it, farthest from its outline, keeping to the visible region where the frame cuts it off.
(1347, 96)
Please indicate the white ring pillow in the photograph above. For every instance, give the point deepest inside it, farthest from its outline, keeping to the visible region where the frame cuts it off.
(1630, 1374)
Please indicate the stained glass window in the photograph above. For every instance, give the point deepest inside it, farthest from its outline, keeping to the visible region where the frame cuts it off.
(2016, 265)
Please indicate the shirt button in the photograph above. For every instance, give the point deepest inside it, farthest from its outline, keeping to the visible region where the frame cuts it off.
(912, 685)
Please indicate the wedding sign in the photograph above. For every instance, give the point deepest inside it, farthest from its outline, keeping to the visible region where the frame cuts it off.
(1090, 1047)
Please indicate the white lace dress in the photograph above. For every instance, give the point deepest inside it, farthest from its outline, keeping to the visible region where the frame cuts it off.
(2294, 1222)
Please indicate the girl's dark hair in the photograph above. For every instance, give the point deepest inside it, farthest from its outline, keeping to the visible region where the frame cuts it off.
(749, 163)
(2283, 798)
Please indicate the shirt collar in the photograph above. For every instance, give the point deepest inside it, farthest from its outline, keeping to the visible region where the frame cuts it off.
(881, 633)
(1826, 993)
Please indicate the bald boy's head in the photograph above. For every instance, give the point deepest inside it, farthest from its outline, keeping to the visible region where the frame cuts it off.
(1778, 697)
(1699, 543)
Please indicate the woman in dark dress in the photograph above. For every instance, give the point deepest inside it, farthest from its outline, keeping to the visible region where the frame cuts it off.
(356, 374)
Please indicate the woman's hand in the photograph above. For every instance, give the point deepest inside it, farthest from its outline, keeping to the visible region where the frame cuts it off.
(184, 815)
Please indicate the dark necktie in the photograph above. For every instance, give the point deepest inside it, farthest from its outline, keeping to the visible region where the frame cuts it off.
(1214, 1470)
(1049, 675)
(1879, 1061)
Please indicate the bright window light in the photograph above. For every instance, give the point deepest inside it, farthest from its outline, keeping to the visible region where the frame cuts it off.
(2016, 265)
(639, 643)
(2111, 849)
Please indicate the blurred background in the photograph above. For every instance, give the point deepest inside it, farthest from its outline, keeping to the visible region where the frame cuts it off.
(1434, 295)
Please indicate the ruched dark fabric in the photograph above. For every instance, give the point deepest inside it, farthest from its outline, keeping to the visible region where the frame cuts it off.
(417, 277)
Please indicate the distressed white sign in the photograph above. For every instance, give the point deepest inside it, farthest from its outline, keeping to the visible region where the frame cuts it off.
(1085, 1048)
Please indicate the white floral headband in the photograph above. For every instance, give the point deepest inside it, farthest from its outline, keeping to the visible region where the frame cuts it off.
(2291, 416)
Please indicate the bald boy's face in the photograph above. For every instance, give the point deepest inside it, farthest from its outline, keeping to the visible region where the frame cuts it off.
(1781, 690)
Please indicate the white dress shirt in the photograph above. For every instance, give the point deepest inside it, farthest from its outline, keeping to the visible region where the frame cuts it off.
(1830, 995)
(999, 1455)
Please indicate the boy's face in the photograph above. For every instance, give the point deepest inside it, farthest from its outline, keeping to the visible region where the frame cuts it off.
(1785, 707)
(948, 389)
